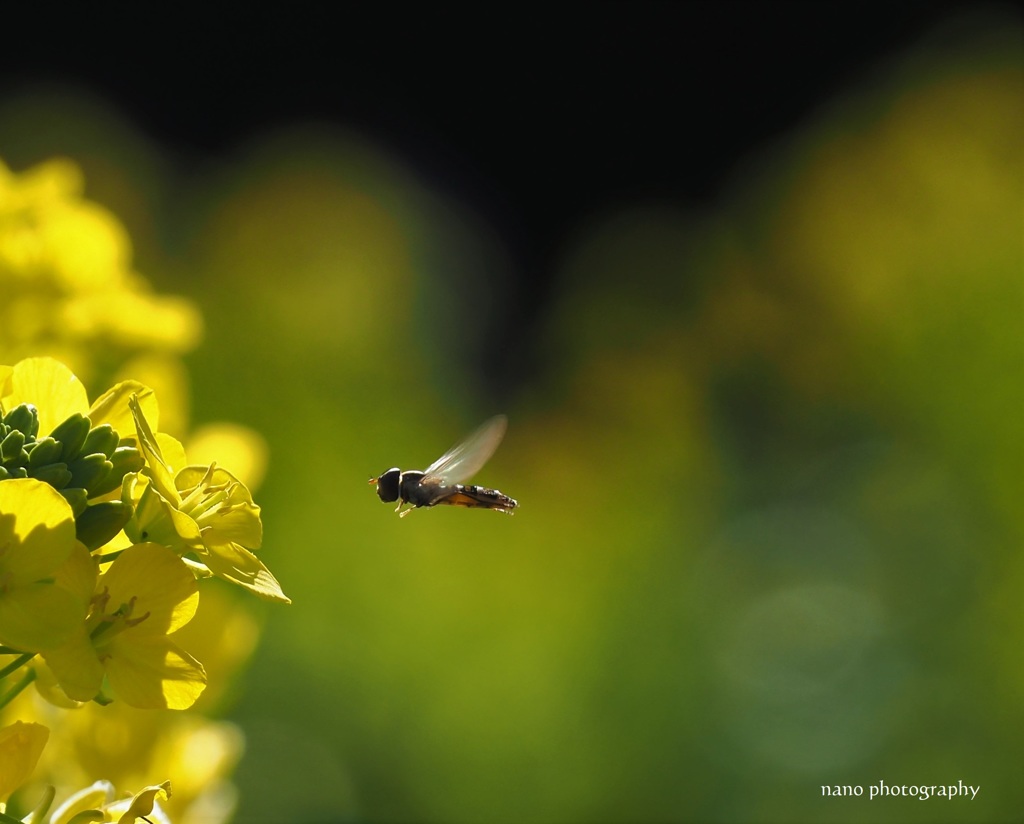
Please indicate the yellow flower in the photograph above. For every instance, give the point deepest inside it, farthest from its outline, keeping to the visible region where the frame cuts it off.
(142, 804)
(48, 431)
(146, 594)
(37, 535)
(20, 747)
(100, 800)
(57, 394)
(201, 510)
(66, 283)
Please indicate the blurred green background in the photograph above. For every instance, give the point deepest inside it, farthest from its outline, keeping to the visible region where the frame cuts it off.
(768, 460)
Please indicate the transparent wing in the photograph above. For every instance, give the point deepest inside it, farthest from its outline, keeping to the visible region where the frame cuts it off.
(466, 458)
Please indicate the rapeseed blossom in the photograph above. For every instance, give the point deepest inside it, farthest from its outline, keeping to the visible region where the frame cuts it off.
(101, 803)
(67, 287)
(206, 511)
(145, 596)
(105, 527)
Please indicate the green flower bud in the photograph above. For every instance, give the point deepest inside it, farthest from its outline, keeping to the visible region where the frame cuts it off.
(12, 448)
(101, 438)
(101, 522)
(46, 451)
(24, 418)
(124, 460)
(54, 474)
(89, 470)
(78, 498)
(72, 434)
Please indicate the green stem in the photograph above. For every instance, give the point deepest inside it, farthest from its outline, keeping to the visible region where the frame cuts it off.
(20, 661)
(12, 693)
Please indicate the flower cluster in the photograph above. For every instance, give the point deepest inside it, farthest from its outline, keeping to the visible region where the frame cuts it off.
(66, 284)
(106, 527)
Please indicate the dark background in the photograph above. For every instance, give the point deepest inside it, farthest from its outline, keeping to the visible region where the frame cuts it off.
(537, 116)
(447, 84)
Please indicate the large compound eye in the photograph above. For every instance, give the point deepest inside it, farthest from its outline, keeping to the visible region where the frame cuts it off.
(387, 485)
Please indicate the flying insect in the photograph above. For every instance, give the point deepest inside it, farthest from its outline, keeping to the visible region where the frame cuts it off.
(441, 482)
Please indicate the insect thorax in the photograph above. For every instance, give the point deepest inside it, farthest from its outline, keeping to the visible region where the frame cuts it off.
(412, 492)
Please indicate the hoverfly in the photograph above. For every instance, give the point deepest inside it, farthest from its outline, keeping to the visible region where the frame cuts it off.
(441, 482)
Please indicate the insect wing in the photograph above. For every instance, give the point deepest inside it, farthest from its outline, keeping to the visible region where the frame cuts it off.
(466, 458)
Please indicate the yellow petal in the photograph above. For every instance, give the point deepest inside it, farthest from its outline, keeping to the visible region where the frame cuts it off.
(142, 802)
(49, 687)
(37, 531)
(235, 563)
(78, 574)
(38, 616)
(20, 747)
(238, 524)
(157, 468)
(76, 666)
(172, 450)
(154, 673)
(157, 520)
(94, 797)
(235, 519)
(51, 386)
(112, 407)
(166, 374)
(161, 585)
